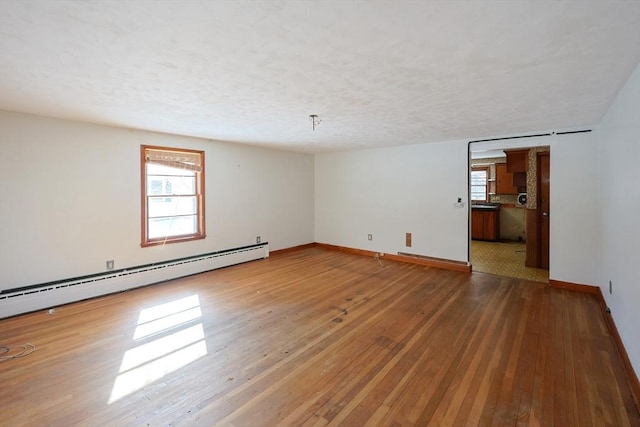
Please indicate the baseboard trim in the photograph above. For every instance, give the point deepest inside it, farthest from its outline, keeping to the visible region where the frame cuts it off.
(292, 249)
(634, 383)
(411, 259)
(587, 289)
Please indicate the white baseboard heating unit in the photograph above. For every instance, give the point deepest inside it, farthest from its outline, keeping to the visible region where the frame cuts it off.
(51, 294)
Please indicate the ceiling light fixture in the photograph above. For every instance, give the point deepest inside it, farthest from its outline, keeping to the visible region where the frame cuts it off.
(315, 121)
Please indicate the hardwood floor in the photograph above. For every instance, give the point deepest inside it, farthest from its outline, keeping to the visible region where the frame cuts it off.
(316, 337)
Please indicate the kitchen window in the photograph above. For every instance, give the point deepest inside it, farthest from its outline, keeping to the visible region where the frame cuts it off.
(172, 195)
(479, 184)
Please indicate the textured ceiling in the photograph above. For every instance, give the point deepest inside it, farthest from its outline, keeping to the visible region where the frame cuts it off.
(378, 73)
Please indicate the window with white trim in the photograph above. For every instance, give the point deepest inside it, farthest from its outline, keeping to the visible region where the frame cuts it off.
(172, 195)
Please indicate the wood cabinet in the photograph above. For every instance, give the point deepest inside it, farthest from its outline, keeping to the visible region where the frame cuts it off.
(520, 181)
(485, 224)
(517, 160)
(477, 224)
(504, 180)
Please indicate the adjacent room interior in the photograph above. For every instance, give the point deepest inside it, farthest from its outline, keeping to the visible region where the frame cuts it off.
(329, 213)
(510, 192)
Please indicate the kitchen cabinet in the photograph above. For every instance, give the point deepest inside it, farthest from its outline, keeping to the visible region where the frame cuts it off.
(485, 224)
(517, 160)
(520, 181)
(504, 180)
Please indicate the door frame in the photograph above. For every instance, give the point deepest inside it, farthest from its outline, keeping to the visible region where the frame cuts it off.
(543, 220)
(532, 223)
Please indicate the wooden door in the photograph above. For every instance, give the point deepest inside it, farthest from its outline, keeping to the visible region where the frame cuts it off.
(544, 189)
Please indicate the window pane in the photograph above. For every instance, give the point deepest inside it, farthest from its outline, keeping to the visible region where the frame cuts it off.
(155, 186)
(175, 226)
(479, 184)
(169, 185)
(478, 193)
(169, 206)
(478, 177)
(167, 170)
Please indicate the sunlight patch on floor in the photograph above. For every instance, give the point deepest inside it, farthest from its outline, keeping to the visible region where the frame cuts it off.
(159, 325)
(168, 340)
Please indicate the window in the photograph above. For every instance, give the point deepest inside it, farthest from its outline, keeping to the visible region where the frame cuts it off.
(479, 180)
(172, 195)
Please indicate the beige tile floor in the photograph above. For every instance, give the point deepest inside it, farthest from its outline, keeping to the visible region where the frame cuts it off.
(504, 259)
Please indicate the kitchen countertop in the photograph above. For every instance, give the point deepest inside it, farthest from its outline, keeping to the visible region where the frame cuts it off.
(486, 206)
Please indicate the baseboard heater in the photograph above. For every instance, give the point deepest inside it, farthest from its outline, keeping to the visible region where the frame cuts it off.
(51, 294)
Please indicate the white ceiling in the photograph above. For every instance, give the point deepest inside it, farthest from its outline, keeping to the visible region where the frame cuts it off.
(378, 73)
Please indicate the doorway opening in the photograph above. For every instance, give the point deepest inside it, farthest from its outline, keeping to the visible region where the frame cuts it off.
(509, 206)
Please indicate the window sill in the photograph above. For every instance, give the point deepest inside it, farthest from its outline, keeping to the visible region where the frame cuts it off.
(176, 239)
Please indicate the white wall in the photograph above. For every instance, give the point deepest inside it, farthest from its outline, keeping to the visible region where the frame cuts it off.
(388, 192)
(620, 210)
(574, 254)
(70, 198)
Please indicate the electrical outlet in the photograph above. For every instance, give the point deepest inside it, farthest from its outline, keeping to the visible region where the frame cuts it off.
(369, 236)
(110, 265)
(610, 287)
(257, 239)
(407, 240)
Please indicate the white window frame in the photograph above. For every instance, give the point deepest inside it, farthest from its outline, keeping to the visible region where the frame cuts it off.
(486, 171)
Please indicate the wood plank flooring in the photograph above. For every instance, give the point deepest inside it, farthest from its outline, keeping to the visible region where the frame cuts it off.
(314, 338)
